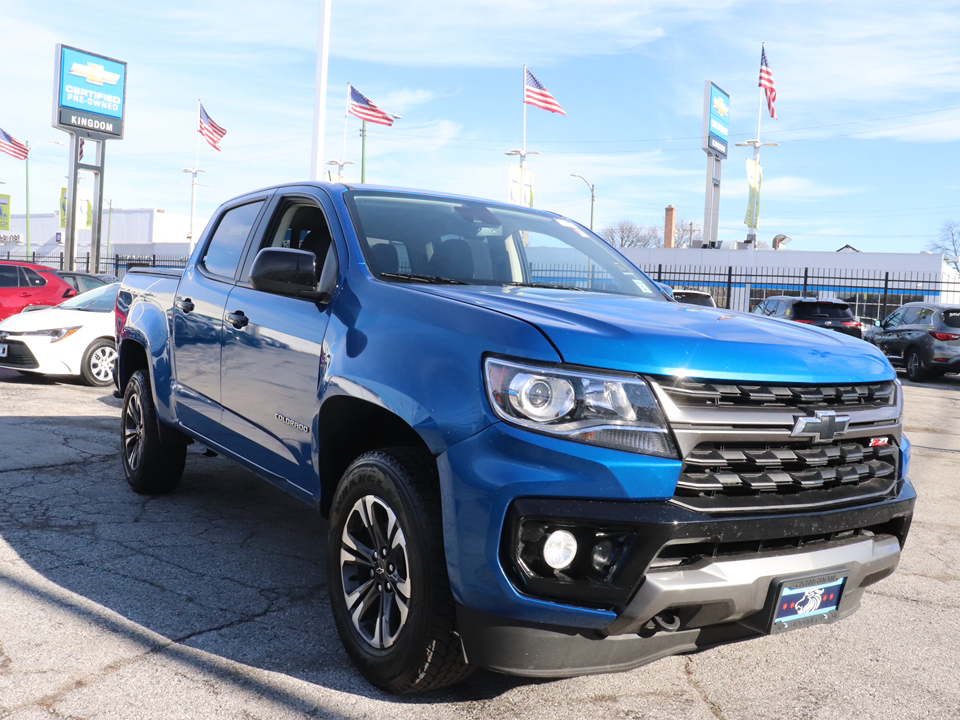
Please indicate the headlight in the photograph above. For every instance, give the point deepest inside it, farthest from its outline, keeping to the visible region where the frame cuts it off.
(56, 334)
(614, 411)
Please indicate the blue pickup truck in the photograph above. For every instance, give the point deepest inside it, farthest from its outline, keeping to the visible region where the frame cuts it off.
(531, 460)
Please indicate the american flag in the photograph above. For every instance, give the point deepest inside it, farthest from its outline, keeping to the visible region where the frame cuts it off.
(361, 107)
(536, 94)
(210, 130)
(766, 81)
(11, 146)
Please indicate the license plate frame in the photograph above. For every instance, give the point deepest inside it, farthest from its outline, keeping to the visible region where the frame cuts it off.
(802, 602)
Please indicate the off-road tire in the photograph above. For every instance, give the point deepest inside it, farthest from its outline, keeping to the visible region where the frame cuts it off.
(402, 653)
(151, 466)
(98, 363)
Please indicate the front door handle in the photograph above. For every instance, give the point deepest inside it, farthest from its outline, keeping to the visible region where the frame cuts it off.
(237, 319)
(186, 305)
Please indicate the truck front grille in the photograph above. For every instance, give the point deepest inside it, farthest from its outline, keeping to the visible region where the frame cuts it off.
(726, 477)
(694, 393)
(746, 448)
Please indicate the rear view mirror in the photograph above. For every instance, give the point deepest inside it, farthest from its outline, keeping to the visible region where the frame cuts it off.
(283, 271)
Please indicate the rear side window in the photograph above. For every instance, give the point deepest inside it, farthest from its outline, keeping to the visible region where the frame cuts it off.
(925, 316)
(225, 248)
(817, 311)
(910, 315)
(34, 279)
(9, 276)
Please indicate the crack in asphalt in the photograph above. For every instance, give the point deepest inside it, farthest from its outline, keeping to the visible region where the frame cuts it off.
(711, 705)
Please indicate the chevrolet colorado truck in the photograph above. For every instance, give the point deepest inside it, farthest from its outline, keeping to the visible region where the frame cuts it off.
(531, 460)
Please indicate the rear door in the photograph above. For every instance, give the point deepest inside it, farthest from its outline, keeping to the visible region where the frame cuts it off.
(198, 316)
(273, 350)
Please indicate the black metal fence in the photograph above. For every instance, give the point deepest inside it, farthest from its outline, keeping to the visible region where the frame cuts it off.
(116, 265)
(872, 294)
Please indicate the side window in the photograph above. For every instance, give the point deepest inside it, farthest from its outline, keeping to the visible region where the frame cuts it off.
(925, 316)
(910, 315)
(298, 226)
(226, 246)
(9, 276)
(34, 279)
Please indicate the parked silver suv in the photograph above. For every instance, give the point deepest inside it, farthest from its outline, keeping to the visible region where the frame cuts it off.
(921, 337)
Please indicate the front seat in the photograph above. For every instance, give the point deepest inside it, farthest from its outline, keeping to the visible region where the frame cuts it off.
(453, 259)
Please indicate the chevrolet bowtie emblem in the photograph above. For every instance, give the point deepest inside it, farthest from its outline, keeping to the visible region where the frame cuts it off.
(94, 74)
(823, 426)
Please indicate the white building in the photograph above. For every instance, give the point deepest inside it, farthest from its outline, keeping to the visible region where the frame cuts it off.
(142, 232)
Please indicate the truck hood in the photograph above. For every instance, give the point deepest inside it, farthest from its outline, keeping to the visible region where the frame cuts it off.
(664, 338)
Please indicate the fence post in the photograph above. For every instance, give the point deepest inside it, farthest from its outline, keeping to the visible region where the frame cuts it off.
(806, 275)
(886, 288)
(729, 285)
(660, 273)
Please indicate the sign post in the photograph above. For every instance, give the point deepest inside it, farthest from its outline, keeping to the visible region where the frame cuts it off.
(716, 131)
(89, 103)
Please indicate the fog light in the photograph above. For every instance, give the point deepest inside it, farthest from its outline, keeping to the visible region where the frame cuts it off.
(559, 549)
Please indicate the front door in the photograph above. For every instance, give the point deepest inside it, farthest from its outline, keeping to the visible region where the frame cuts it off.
(273, 357)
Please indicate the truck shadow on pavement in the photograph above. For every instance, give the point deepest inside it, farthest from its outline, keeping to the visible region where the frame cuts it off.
(228, 568)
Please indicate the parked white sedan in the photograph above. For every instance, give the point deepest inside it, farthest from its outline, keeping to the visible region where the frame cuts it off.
(74, 338)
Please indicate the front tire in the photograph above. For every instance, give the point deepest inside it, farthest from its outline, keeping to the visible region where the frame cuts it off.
(151, 466)
(387, 574)
(98, 363)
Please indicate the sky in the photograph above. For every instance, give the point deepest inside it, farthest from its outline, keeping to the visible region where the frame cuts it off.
(868, 99)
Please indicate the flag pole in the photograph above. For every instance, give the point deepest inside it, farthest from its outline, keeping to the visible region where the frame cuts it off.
(193, 181)
(523, 155)
(346, 114)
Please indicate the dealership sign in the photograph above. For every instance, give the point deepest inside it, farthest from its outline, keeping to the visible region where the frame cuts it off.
(89, 93)
(716, 120)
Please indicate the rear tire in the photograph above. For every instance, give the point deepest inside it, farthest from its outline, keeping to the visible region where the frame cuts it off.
(98, 363)
(151, 466)
(387, 574)
(916, 372)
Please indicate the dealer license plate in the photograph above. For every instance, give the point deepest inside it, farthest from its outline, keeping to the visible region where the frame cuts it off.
(3, 350)
(802, 602)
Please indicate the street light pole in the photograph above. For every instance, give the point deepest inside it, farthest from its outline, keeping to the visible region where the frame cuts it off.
(523, 154)
(340, 164)
(592, 196)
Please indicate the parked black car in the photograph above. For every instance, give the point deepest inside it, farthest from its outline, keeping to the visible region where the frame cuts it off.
(828, 313)
(921, 337)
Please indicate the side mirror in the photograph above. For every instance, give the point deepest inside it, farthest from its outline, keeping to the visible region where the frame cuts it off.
(283, 271)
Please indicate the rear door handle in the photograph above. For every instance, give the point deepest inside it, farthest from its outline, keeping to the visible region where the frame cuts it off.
(185, 305)
(238, 319)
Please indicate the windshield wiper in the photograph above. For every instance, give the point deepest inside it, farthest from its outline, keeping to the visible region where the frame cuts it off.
(546, 285)
(435, 279)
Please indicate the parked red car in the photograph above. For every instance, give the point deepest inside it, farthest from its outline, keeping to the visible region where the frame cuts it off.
(23, 284)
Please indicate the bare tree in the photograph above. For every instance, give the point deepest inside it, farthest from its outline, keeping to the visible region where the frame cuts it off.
(627, 233)
(688, 233)
(948, 243)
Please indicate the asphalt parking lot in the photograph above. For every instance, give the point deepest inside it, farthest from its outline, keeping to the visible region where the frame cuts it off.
(211, 603)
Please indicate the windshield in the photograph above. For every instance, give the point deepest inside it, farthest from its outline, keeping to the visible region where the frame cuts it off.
(101, 299)
(420, 238)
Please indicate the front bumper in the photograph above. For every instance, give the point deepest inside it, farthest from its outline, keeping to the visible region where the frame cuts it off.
(39, 355)
(720, 602)
(517, 623)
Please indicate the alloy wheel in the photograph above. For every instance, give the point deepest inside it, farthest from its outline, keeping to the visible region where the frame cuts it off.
(374, 569)
(133, 432)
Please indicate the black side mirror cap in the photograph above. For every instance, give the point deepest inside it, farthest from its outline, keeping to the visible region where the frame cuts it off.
(283, 271)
